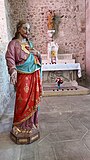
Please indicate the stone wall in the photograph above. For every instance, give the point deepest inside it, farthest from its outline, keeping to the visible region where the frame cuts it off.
(88, 40)
(71, 30)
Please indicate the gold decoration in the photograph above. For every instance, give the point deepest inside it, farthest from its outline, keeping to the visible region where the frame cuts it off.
(26, 88)
(25, 47)
(33, 138)
(23, 140)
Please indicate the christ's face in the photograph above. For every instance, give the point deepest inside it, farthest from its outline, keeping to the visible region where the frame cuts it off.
(24, 30)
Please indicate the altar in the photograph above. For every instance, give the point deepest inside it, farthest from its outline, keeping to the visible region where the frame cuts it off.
(68, 71)
(55, 64)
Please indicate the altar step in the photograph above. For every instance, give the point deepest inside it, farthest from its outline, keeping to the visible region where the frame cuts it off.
(65, 91)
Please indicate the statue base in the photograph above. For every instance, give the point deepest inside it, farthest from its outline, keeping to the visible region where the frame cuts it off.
(25, 138)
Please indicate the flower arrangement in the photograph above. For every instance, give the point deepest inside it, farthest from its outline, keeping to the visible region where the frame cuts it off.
(59, 82)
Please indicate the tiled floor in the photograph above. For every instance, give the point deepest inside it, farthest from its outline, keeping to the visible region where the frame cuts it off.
(64, 128)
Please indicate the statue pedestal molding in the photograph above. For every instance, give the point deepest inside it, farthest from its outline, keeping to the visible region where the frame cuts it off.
(25, 138)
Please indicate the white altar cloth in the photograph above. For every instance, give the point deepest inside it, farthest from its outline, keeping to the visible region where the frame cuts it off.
(62, 67)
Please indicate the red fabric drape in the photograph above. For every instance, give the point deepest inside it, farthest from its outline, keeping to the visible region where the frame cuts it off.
(28, 92)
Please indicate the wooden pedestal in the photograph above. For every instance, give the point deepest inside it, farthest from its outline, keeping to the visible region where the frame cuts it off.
(25, 138)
